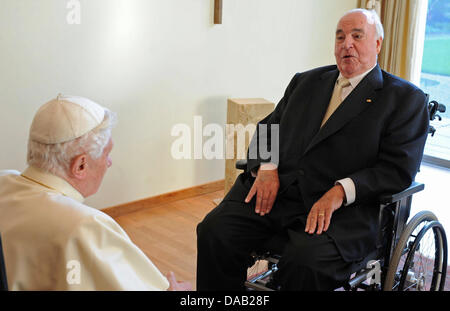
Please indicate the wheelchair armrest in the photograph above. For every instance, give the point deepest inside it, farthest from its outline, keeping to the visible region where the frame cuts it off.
(391, 198)
(241, 164)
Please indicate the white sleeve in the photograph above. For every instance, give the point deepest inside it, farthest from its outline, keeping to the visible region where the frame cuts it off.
(108, 259)
(265, 166)
(349, 189)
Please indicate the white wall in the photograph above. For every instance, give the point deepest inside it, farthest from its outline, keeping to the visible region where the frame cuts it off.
(156, 63)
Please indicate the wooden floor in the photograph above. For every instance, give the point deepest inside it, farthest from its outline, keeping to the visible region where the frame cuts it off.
(166, 233)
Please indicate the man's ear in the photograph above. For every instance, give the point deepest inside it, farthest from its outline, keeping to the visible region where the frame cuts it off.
(379, 45)
(78, 168)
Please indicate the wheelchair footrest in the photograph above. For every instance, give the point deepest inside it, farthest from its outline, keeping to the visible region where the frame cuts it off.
(262, 281)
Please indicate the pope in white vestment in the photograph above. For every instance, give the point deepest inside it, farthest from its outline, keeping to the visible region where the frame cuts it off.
(51, 240)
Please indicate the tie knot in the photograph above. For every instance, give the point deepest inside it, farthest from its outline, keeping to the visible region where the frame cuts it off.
(343, 82)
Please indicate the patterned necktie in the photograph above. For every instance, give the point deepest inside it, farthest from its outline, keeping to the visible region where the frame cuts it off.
(336, 99)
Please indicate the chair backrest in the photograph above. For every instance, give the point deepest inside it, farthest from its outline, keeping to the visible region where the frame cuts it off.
(3, 280)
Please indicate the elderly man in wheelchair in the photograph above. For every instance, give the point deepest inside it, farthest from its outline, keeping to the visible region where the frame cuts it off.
(328, 181)
(408, 256)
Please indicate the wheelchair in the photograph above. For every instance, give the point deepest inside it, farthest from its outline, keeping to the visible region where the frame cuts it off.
(409, 256)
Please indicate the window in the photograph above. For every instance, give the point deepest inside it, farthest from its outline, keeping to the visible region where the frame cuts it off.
(435, 78)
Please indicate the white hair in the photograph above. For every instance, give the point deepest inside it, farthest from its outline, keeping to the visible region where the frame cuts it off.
(372, 18)
(56, 158)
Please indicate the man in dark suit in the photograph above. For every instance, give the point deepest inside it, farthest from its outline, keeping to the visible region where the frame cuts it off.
(347, 134)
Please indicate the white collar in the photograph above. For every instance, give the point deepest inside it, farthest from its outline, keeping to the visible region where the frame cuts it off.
(52, 182)
(354, 81)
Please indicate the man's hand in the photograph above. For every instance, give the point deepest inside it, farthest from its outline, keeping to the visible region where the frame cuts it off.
(265, 187)
(320, 214)
(177, 286)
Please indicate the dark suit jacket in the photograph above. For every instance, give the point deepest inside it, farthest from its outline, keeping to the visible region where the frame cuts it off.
(376, 137)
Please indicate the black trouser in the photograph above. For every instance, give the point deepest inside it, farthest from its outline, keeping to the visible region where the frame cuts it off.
(230, 232)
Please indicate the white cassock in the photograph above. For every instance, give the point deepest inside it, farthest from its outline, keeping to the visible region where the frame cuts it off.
(52, 241)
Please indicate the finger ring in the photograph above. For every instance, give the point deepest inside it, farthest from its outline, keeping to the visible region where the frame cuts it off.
(321, 214)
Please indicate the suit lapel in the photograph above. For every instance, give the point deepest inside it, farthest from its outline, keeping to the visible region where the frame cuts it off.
(358, 100)
(318, 104)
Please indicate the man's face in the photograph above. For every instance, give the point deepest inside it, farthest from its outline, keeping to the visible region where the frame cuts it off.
(356, 45)
(97, 168)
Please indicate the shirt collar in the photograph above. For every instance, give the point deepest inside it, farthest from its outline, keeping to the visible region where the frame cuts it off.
(52, 182)
(355, 80)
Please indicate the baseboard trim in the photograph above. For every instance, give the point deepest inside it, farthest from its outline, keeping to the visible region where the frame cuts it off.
(126, 208)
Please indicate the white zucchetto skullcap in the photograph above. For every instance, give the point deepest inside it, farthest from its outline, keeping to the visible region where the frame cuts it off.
(65, 118)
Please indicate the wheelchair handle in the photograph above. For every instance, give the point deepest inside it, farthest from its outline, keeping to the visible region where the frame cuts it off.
(434, 107)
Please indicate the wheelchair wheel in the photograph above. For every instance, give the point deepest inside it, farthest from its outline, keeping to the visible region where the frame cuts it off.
(419, 261)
